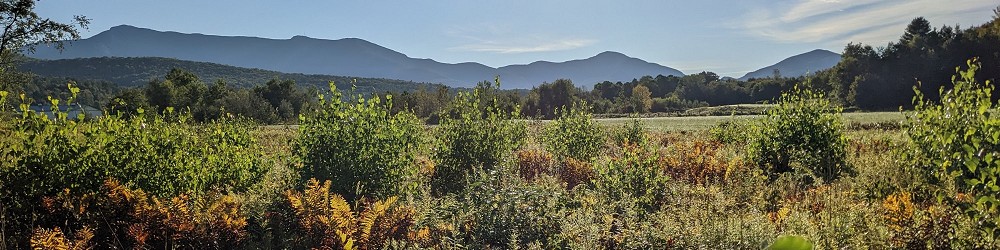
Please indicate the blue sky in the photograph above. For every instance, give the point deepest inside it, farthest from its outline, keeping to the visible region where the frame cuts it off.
(726, 37)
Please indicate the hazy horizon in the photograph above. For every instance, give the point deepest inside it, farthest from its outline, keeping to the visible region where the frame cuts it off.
(729, 38)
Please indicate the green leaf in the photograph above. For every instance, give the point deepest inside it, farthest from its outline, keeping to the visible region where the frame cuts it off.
(791, 242)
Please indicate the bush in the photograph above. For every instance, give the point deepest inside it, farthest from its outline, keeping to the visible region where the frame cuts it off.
(802, 134)
(957, 144)
(574, 134)
(505, 212)
(473, 136)
(632, 132)
(734, 131)
(574, 172)
(636, 175)
(698, 162)
(359, 145)
(532, 164)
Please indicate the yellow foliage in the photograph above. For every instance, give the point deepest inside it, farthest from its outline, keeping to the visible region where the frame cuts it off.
(898, 210)
(697, 161)
(55, 239)
(329, 220)
(574, 172)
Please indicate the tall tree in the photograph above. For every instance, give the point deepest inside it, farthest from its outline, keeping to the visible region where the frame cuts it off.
(23, 29)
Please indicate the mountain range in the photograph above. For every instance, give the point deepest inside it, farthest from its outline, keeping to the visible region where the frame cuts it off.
(343, 57)
(359, 58)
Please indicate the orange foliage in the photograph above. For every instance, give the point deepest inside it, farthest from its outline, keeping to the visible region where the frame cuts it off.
(328, 222)
(574, 172)
(534, 163)
(696, 161)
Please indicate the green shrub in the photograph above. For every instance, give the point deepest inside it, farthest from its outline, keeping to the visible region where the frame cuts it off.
(632, 132)
(359, 145)
(802, 134)
(508, 211)
(734, 131)
(161, 154)
(473, 136)
(574, 134)
(636, 175)
(957, 144)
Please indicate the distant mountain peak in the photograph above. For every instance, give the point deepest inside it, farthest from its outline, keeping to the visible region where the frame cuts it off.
(610, 54)
(798, 65)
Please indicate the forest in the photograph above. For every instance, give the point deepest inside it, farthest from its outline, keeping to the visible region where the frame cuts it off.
(179, 163)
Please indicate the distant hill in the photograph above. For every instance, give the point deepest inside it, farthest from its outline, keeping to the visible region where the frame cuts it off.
(343, 57)
(799, 65)
(138, 71)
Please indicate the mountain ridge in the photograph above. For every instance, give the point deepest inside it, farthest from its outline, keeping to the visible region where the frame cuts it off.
(345, 57)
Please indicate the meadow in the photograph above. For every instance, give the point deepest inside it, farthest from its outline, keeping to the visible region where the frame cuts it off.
(353, 175)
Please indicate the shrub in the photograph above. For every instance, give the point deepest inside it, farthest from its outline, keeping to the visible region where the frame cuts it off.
(507, 212)
(632, 132)
(697, 162)
(473, 134)
(734, 131)
(801, 134)
(957, 144)
(532, 164)
(574, 134)
(635, 175)
(359, 145)
(574, 172)
(163, 154)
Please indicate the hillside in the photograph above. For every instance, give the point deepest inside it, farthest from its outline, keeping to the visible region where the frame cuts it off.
(798, 65)
(138, 71)
(344, 57)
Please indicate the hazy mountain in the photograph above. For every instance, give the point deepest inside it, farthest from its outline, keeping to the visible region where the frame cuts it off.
(799, 65)
(344, 57)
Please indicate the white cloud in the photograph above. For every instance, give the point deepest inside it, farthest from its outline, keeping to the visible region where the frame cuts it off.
(867, 21)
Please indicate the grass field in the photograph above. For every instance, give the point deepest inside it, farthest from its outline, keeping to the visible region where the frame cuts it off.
(689, 123)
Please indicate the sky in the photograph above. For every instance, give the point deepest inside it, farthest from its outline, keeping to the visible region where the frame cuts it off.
(726, 37)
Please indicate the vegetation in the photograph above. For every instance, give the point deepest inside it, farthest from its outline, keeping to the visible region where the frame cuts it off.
(801, 134)
(359, 145)
(360, 173)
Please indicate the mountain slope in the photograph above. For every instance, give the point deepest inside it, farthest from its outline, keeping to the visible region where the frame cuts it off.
(798, 65)
(138, 71)
(346, 57)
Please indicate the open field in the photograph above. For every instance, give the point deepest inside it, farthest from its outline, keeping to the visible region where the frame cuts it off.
(690, 123)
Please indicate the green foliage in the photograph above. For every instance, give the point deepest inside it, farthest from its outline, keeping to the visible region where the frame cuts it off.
(790, 242)
(802, 134)
(545, 100)
(473, 136)
(631, 132)
(734, 131)
(359, 145)
(636, 176)
(508, 211)
(574, 134)
(44, 156)
(160, 154)
(957, 144)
